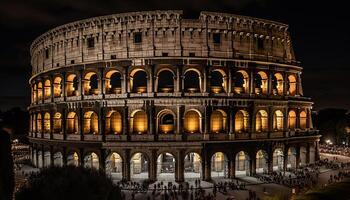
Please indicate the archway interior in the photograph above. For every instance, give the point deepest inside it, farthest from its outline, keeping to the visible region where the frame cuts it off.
(113, 123)
(91, 161)
(192, 122)
(277, 161)
(139, 81)
(240, 82)
(192, 82)
(72, 84)
(260, 80)
(261, 162)
(165, 81)
(303, 152)
(113, 82)
(73, 159)
(165, 167)
(58, 159)
(57, 88)
(57, 123)
(47, 158)
(219, 165)
(114, 166)
(292, 161)
(47, 89)
(241, 121)
(72, 123)
(138, 167)
(242, 164)
(90, 123)
(217, 83)
(218, 121)
(192, 166)
(167, 123)
(139, 122)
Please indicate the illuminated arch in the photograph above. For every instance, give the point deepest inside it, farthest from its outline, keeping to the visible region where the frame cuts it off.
(90, 123)
(241, 121)
(303, 119)
(90, 84)
(138, 81)
(114, 166)
(292, 120)
(277, 84)
(219, 165)
(35, 92)
(166, 121)
(114, 122)
(278, 120)
(261, 121)
(261, 82)
(139, 166)
(39, 122)
(72, 123)
(72, 85)
(261, 161)
(278, 159)
(192, 121)
(57, 122)
(192, 80)
(292, 159)
(192, 166)
(166, 164)
(113, 82)
(47, 89)
(58, 159)
(218, 81)
(57, 87)
(139, 122)
(292, 85)
(218, 120)
(92, 161)
(242, 164)
(73, 159)
(241, 82)
(47, 124)
(40, 91)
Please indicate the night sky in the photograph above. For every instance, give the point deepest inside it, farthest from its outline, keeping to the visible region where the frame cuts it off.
(319, 29)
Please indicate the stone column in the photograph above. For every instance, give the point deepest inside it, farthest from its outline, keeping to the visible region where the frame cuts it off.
(102, 159)
(206, 120)
(81, 84)
(64, 124)
(251, 82)
(285, 158)
(179, 115)
(125, 120)
(232, 167)
(270, 120)
(179, 169)
(63, 86)
(317, 151)
(81, 123)
(231, 120)
(229, 89)
(81, 157)
(307, 153)
(285, 122)
(151, 79)
(64, 156)
(285, 84)
(152, 170)
(150, 108)
(102, 122)
(102, 84)
(126, 165)
(270, 160)
(252, 165)
(297, 156)
(269, 85)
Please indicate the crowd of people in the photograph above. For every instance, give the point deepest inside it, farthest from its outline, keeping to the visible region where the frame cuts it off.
(335, 149)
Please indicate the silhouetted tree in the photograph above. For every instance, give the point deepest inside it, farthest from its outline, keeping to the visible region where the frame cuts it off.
(6, 165)
(69, 182)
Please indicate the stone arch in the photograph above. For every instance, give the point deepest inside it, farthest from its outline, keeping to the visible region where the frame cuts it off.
(192, 166)
(47, 159)
(57, 123)
(278, 120)
(90, 123)
(292, 85)
(92, 161)
(261, 121)
(218, 121)
(302, 119)
(113, 122)
(40, 91)
(241, 82)
(139, 165)
(292, 159)
(57, 86)
(292, 120)
(114, 166)
(113, 82)
(47, 89)
(58, 159)
(39, 123)
(73, 159)
(139, 122)
(47, 122)
(166, 121)
(138, 81)
(35, 92)
(90, 83)
(261, 82)
(166, 164)
(261, 162)
(241, 121)
(242, 160)
(303, 155)
(218, 82)
(72, 85)
(192, 121)
(165, 80)
(192, 81)
(40, 163)
(72, 123)
(219, 165)
(277, 84)
(278, 159)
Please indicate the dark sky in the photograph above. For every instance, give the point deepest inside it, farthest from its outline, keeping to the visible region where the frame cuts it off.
(320, 32)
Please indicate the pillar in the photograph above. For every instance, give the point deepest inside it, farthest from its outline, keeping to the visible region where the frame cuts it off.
(307, 153)
(297, 156)
(252, 165)
(231, 120)
(270, 161)
(179, 169)
(251, 84)
(126, 165)
(152, 169)
(206, 165)
(102, 159)
(232, 167)
(285, 158)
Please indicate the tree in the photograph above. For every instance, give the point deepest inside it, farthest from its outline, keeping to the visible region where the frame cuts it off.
(6, 166)
(69, 182)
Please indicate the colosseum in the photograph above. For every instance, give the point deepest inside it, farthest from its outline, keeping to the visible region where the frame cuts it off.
(153, 95)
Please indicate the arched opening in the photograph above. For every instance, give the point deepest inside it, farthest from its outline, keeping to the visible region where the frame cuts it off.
(277, 159)
(90, 84)
(192, 166)
(72, 123)
(40, 159)
(113, 123)
(292, 85)
(114, 166)
(138, 81)
(34, 160)
(312, 154)
(292, 159)
(90, 123)
(242, 164)
(57, 87)
(91, 161)
(113, 82)
(165, 167)
(39, 123)
(166, 122)
(192, 81)
(58, 159)
(303, 120)
(73, 159)
(278, 121)
(72, 85)
(303, 153)
(47, 159)
(241, 82)
(261, 121)
(40, 91)
(57, 123)
(261, 162)
(47, 89)
(218, 122)
(139, 167)
(165, 81)
(261, 82)
(35, 92)
(47, 125)
(219, 165)
(241, 121)
(192, 122)
(277, 84)
(218, 81)
(292, 120)
(139, 122)
(34, 123)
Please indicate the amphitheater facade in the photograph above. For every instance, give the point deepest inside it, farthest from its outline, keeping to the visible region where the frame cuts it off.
(153, 95)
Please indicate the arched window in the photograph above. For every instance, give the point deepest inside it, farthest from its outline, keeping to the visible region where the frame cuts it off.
(72, 123)
(261, 81)
(166, 122)
(47, 89)
(218, 121)
(72, 85)
(113, 82)
(277, 84)
(40, 91)
(114, 122)
(292, 85)
(35, 91)
(139, 122)
(241, 82)
(165, 81)
(47, 125)
(192, 122)
(39, 123)
(138, 81)
(261, 121)
(57, 123)
(218, 81)
(34, 123)
(192, 81)
(241, 121)
(91, 84)
(278, 121)
(303, 120)
(292, 119)
(90, 123)
(57, 87)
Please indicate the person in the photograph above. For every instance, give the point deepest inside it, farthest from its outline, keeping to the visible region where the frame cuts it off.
(6, 163)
